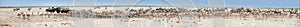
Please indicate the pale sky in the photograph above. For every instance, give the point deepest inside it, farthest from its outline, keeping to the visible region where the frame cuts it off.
(228, 3)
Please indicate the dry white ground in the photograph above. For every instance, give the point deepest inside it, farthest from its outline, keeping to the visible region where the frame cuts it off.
(9, 18)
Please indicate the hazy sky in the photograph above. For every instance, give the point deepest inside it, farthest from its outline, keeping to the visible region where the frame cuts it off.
(228, 3)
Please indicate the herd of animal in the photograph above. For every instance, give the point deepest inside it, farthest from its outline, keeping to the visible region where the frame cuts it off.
(175, 12)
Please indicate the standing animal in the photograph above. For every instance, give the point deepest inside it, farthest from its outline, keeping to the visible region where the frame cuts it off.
(58, 10)
(16, 9)
(29, 9)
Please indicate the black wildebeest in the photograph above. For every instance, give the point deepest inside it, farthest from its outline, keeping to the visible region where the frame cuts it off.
(64, 11)
(16, 9)
(29, 9)
(58, 10)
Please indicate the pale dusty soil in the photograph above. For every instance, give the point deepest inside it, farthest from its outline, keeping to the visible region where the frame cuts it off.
(9, 18)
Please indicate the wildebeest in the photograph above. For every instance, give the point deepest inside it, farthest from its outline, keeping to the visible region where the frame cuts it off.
(247, 10)
(159, 9)
(29, 9)
(277, 12)
(64, 11)
(50, 10)
(16, 9)
(58, 10)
